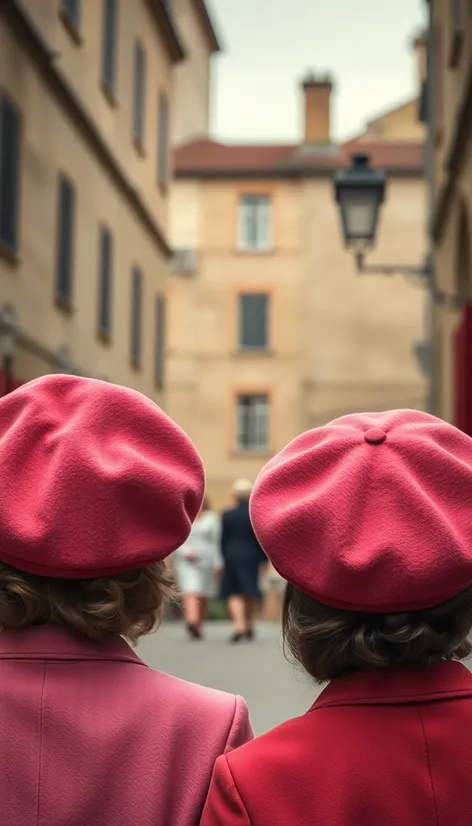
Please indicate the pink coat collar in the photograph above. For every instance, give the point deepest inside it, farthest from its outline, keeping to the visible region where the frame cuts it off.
(438, 682)
(54, 643)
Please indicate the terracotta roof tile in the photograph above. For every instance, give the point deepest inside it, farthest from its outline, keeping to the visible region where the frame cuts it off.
(208, 157)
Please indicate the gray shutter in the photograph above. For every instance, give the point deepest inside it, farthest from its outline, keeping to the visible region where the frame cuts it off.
(105, 282)
(139, 91)
(136, 316)
(65, 239)
(253, 321)
(110, 12)
(10, 145)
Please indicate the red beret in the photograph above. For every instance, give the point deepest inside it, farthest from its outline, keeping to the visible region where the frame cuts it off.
(371, 513)
(95, 479)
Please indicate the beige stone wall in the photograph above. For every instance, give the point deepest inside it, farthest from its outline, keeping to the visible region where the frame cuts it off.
(401, 124)
(454, 277)
(52, 143)
(82, 65)
(205, 370)
(359, 330)
(191, 111)
(339, 341)
(452, 262)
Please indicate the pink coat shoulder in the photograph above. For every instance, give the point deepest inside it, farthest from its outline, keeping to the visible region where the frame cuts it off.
(216, 718)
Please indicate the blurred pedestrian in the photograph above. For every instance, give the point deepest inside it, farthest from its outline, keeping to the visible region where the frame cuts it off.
(198, 566)
(99, 487)
(274, 594)
(243, 558)
(369, 521)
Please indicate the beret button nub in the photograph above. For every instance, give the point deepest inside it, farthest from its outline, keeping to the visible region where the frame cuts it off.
(375, 436)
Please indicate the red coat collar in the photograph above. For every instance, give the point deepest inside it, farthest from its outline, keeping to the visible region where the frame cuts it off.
(438, 682)
(49, 642)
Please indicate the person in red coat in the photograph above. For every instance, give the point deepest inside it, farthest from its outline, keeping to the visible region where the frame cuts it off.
(98, 487)
(369, 519)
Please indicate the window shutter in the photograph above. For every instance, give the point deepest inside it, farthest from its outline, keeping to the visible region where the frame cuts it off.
(136, 316)
(105, 286)
(253, 321)
(10, 146)
(109, 43)
(139, 91)
(72, 10)
(65, 239)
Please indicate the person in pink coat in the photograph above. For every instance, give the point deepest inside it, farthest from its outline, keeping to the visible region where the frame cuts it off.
(369, 520)
(98, 487)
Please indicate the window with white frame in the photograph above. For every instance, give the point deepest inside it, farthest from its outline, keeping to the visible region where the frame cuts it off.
(252, 423)
(255, 223)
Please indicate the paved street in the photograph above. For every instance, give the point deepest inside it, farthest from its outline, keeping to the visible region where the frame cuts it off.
(273, 689)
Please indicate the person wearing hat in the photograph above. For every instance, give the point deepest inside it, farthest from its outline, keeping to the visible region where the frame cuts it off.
(369, 519)
(98, 488)
(243, 558)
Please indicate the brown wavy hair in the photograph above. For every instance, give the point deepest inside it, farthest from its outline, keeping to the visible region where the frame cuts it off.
(331, 643)
(130, 604)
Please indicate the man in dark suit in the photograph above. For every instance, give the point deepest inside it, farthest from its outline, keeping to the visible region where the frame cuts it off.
(243, 558)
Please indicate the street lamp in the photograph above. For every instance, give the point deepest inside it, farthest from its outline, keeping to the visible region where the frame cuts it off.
(360, 192)
(9, 330)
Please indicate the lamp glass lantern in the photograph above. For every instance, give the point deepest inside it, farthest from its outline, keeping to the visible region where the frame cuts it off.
(360, 191)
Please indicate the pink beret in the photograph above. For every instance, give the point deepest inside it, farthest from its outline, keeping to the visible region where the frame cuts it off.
(371, 513)
(95, 479)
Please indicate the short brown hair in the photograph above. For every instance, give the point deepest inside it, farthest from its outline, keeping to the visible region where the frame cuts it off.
(128, 604)
(331, 643)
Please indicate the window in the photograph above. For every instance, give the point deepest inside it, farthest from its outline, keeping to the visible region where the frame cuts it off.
(136, 315)
(160, 341)
(438, 81)
(252, 434)
(105, 284)
(253, 321)
(139, 93)
(456, 29)
(163, 140)
(255, 222)
(109, 45)
(70, 11)
(10, 144)
(65, 240)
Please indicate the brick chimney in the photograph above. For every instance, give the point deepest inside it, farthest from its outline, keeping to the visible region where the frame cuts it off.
(317, 99)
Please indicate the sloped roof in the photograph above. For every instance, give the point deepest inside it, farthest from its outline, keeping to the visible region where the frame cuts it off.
(207, 158)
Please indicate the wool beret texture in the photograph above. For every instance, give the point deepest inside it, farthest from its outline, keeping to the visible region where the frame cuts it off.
(372, 512)
(95, 479)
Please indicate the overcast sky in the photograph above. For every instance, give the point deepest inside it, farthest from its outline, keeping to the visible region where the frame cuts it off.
(269, 45)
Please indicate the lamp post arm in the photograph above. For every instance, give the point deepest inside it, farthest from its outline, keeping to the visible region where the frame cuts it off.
(426, 272)
(390, 269)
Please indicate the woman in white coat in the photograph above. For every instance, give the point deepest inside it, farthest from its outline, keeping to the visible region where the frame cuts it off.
(198, 565)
